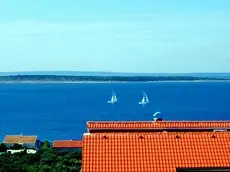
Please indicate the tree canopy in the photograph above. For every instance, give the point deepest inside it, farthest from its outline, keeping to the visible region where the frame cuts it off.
(46, 159)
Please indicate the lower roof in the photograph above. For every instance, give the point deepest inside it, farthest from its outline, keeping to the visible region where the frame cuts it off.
(159, 151)
(67, 144)
(19, 139)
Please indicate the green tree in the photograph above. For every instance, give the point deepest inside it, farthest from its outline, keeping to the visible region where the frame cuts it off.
(47, 159)
(46, 144)
(3, 147)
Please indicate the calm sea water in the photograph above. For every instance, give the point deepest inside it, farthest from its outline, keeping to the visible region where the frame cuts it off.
(60, 111)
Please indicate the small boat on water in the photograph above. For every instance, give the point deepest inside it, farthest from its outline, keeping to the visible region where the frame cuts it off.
(144, 100)
(113, 99)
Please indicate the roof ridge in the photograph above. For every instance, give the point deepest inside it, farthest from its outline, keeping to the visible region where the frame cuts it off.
(161, 133)
(155, 121)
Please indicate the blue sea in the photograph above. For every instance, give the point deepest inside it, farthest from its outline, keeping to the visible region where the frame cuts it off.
(60, 111)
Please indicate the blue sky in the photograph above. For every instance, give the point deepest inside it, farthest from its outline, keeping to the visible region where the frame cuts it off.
(121, 36)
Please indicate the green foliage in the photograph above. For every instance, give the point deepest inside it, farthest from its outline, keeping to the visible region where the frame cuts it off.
(46, 145)
(45, 160)
(3, 147)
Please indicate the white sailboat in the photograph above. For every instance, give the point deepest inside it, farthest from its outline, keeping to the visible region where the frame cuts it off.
(144, 100)
(113, 99)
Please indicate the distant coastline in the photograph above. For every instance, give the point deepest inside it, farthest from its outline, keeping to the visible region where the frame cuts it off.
(101, 82)
(103, 79)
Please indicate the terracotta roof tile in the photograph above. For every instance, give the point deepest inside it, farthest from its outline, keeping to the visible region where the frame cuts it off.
(67, 144)
(19, 139)
(158, 124)
(156, 151)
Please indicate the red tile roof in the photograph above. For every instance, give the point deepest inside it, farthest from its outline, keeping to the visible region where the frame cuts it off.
(67, 144)
(19, 139)
(149, 152)
(159, 125)
(155, 151)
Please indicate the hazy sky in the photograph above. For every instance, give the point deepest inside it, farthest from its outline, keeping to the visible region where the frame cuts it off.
(119, 35)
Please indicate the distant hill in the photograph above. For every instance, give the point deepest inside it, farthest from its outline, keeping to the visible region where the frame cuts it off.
(102, 77)
(86, 73)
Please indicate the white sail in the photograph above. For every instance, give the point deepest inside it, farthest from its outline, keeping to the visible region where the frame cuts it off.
(144, 100)
(113, 98)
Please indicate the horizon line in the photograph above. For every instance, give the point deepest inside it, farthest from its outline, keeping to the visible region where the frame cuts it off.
(75, 71)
